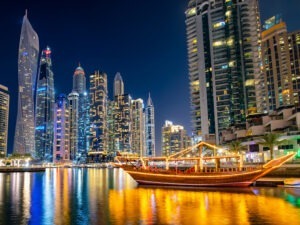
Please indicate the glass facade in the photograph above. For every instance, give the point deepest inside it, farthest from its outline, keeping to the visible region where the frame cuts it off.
(138, 127)
(24, 141)
(223, 40)
(44, 109)
(79, 86)
(73, 99)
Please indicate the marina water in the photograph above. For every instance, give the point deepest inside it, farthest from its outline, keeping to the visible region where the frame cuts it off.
(110, 196)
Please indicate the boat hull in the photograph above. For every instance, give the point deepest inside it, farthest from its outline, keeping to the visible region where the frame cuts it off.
(206, 180)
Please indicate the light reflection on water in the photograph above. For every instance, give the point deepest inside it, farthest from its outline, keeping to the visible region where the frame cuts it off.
(110, 196)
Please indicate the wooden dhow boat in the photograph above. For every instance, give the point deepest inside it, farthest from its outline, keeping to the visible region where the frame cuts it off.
(177, 170)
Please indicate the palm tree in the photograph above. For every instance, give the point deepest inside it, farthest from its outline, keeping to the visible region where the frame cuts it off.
(271, 140)
(236, 147)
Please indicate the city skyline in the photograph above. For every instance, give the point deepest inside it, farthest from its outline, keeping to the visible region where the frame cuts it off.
(155, 47)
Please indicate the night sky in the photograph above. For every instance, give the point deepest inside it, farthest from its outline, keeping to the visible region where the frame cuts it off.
(143, 40)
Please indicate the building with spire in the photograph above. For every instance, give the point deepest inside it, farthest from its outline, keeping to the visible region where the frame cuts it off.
(44, 113)
(61, 146)
(79, 86)
(224, 56)
(98, 112)
(4, 115)
(150, 128)
(121, 117)
(24, 141)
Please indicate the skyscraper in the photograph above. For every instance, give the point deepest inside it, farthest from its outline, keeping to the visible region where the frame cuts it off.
(276, 64)
(122, 136)
(118, 85)
(98, 112)
(224, 54)
(150, 128)
(138, 127)
(24, 141)
(61, 146)
(4, 114)
(73, 99)
(79, 86)
(44, 109)
(294, 53)
(120, 118)
(174, 138)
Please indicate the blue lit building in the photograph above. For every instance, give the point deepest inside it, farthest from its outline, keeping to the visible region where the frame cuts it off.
(44, 109)
(150, 128)
(24, 141)
(79, 86)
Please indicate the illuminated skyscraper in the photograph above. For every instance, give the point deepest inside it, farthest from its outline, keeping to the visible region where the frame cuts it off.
(44, 114)
(150, 128)
(138, 127)
(24, 141)
(294, 53)
(122, 123)
(79, 86)
(61, 146)
(118, 85)
(174, 138)
(276, 64)
(73, 99)
(4, 114)
(98, 112)
(224, 55)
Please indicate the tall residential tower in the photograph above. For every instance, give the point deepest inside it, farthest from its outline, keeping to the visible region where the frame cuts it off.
(24, 141)
(4, 114)
(44, 113)
(98, 112)
(224, 56)
(79, 86)
(150, 128)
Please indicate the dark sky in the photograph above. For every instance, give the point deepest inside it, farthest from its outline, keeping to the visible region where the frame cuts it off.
(143, 40)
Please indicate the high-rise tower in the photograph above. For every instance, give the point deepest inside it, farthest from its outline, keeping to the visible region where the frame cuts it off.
(118, 85)
(98, 112)
(73, 99)
(4, 114)
(24, 141)
(150, 128)
(276, 64)
(79, 86)
(174, 138)
(224, 54)
(138, 127)
(44, 109)
(61, 146)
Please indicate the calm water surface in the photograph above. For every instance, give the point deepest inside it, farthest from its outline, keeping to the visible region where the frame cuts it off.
(110, 196)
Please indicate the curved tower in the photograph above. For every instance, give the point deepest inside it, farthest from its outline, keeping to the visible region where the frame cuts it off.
(44, 109)
(27, 71)
(118, 85)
